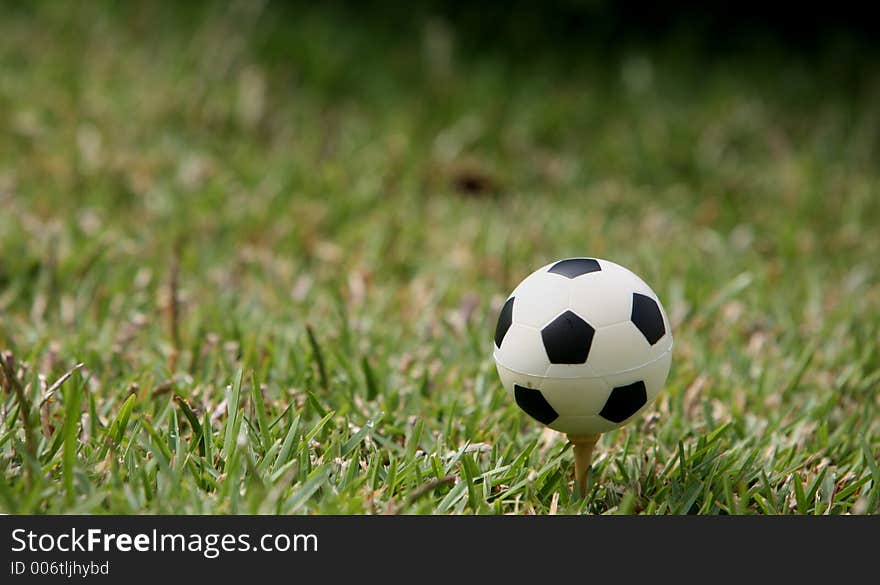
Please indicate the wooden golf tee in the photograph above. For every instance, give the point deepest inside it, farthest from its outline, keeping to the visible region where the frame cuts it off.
(583, 446)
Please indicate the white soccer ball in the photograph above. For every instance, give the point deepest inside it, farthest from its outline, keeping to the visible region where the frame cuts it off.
(583, 345)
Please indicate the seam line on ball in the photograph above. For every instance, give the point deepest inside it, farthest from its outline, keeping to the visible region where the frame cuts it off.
(603, 376)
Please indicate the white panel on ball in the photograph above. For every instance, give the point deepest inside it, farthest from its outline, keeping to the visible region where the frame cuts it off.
(618, 348)
(540, 298)
(627, 278)
(510, 377)
(597, 298)
(572, 396)
(523, 351)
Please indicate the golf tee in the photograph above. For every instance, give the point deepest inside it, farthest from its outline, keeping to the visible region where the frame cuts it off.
(583, 446)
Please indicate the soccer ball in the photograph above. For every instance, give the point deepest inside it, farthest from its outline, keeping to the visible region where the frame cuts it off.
(583, 345)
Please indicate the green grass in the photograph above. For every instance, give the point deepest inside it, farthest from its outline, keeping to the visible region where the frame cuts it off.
(277, 241)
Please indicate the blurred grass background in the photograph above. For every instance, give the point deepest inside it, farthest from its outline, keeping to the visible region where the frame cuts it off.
(183, 189)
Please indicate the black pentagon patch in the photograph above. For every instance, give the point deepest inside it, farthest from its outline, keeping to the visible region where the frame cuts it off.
(534, 404)
(646, 316)
(504, 321)
(573, 267)
(567, 339)
(624, 402)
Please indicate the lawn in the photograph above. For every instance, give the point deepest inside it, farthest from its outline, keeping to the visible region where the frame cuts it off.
(251, 260)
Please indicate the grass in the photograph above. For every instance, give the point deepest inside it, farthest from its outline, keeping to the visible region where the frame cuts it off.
(276, 241)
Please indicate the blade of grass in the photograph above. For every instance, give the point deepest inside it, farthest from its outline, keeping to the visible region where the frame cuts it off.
(159, 446)
(72, 398)
(260, 407)
(800, 496)
(318, 356)
(7, 364)
(287, 445)
(369, 379)
(317, 428)
(315, 480)
(193, 421)
(356, 439)
(233, 416)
